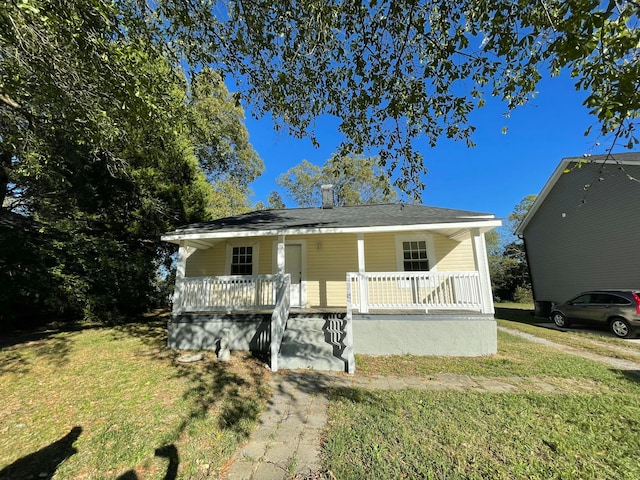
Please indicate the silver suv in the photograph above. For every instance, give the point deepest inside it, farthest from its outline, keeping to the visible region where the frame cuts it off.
(619, 309)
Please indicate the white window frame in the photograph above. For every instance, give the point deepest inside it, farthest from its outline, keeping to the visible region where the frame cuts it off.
(254, 256)
(418, 237)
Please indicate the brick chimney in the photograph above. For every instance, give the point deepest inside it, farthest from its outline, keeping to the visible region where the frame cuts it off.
(327, 196)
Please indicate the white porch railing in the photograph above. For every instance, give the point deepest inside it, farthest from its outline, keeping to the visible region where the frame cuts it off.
(232, 292)
(415, 290)
(279, 319)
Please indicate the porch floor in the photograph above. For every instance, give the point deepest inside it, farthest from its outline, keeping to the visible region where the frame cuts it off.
(320, 311)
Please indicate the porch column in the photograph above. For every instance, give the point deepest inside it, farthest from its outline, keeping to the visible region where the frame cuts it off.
(280, 255)
(363, 292)
(482, 266)
(180, 271)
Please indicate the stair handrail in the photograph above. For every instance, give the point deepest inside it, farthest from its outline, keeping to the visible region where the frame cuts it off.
(279, 318)
(348, 329)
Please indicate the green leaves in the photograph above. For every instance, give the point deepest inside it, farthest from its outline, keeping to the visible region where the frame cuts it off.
(356, 180)
(102, 149)
(218, 132)
(393, 72)
(401, 70)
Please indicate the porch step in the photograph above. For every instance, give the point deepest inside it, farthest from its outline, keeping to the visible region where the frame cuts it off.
(312, 343)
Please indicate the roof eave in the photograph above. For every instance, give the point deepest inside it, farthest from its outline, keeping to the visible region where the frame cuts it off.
(485, 224)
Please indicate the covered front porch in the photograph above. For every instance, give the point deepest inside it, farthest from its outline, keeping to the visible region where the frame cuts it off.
(386, 312)
(320, 292)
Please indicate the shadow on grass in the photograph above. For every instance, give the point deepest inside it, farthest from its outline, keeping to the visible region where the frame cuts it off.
(170, 452)
(631, 375)
(230, 395)
(51, 345)
(520, 315)
(53, 341)
(238, 387)
(240, 397)
(150, 328)
(43, 463)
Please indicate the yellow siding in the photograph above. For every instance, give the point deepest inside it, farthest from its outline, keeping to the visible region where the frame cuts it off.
(265, 258)
(453, 256)
(380, 252)
(205, 263)
(212, 261)
(329, 258)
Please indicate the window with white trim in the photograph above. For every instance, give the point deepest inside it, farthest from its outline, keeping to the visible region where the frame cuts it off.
(414, 256)
(415, 253)
(242, 260)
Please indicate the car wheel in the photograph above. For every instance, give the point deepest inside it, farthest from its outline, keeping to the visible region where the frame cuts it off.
(620, 328)
(560, 320)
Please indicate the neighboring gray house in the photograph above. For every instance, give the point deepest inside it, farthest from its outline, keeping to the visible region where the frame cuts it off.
(314, 285)
(583, 230)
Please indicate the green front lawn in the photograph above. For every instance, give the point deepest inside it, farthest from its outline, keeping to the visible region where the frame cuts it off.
(128, 405)
(516, 357)
(113, 403)
(471, 435)
(455, 435)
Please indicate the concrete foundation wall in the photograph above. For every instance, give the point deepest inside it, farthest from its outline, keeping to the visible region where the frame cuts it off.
(203, 332)
(453, 335)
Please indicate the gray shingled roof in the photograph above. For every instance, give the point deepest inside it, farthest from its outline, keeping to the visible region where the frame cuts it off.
(337, 217)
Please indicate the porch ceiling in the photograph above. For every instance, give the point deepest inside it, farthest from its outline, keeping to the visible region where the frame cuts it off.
(202, 243)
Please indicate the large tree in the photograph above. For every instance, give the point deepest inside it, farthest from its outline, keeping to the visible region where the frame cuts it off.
(356, 180)
(222, 144)
(391, 71)
(97, 203)
(104, 145)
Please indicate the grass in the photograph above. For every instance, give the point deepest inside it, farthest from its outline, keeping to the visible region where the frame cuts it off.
(516, 357)
(455, 435)
(97, 402)
(595, 340)
(114, 403)
(473, 435)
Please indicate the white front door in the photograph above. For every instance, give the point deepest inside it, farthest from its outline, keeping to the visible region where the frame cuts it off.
(293, 266)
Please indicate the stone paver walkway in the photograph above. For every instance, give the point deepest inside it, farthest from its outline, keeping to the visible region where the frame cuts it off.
(288, 437)
(287, 441)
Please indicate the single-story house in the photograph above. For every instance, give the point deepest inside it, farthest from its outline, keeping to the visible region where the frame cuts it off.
(582, 232)
(311, 286)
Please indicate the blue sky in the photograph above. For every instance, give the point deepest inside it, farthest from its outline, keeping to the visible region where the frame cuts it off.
(492, 177)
